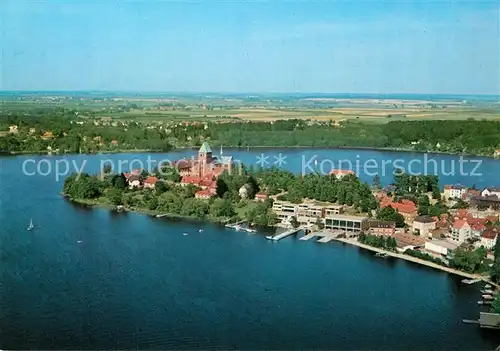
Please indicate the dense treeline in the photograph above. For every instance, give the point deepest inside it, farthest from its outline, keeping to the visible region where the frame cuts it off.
(70, 130)
(346, 191)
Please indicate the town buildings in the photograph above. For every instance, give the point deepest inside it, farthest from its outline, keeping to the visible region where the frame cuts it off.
(454, 191)
(489, 238)
(381, 228)
(460, 231)
(422, 225)
(346, 223)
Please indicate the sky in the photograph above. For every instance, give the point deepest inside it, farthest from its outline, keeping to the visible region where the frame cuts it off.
(419, 46)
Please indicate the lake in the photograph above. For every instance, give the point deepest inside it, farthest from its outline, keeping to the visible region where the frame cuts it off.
(90, 278)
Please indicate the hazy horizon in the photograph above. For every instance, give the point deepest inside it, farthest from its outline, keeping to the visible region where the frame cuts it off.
(270, 47)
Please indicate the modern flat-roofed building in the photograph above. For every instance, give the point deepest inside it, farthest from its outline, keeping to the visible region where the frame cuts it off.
(346, 223)
(332, 210)
(284, 209)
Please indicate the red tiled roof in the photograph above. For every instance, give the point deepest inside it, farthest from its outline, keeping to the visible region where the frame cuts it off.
(341, 172)
(206, 183)
(408, 208)
(204, 193)
(459, 224)
(151, 180)
(136, 171)
(489, 234)
(462, 213)
(183, 164)
(261, 196)
(478, 226)
(190, 180)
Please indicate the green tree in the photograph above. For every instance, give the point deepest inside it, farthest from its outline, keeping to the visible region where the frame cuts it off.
(115, 196)
(221, 188)
(390, 214)
(294, 222)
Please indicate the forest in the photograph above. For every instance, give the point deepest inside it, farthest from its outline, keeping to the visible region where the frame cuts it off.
(72, 133)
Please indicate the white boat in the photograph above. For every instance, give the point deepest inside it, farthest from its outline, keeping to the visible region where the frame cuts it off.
(381, 254)
(185, 234)
(200, 231)
(31, 226)
(487, 286)
(237, 227)
(270, 237)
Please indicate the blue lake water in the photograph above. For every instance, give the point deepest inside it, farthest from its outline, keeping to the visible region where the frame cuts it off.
(137, 282)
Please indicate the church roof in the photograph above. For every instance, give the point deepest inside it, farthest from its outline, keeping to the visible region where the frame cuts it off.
(205, 148)
(225, 160)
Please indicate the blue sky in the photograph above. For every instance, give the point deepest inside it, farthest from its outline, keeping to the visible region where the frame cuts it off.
(443, 47)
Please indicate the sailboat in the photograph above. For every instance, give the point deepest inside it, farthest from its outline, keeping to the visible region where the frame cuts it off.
(31, 226)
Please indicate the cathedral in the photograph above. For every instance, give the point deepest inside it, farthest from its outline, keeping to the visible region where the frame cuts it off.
(206, 166)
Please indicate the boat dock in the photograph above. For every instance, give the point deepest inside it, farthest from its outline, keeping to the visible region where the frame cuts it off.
(308, 236)
(470, 281)
(238, 226)
(325, 239)
(284, 234)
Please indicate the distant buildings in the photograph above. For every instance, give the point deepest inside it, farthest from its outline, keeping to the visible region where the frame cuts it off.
(341, 173)
(454, 191)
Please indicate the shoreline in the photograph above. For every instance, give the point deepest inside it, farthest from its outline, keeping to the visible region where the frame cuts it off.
(365, 148)
(142, 211)
(418, 261)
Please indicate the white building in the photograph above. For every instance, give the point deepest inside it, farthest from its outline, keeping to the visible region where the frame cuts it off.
(441, 247)
(460, 231)
(491, 191)
(489, 239)
(454, 191)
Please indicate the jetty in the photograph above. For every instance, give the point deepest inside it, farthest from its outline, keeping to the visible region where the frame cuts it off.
(308, 236)
(284, 234)
(238, 226)
(325, 239)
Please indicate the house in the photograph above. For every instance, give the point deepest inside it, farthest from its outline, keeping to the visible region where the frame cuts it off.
(13, 129)
(406, 208)
(381, 228)
(47, 135)
(422, 225)
(496, 153)
(460, 231)
(454, 191)
(477, 229)
(204, 194)
(341, 173)
(114, 142)
(489, 238)
(134, 180)
(260, 196)
(150, 182)
(491, 191)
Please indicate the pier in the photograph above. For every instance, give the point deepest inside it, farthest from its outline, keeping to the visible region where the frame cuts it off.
(308, 236)
(284, 234)
(325, 239)
(238, 226)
